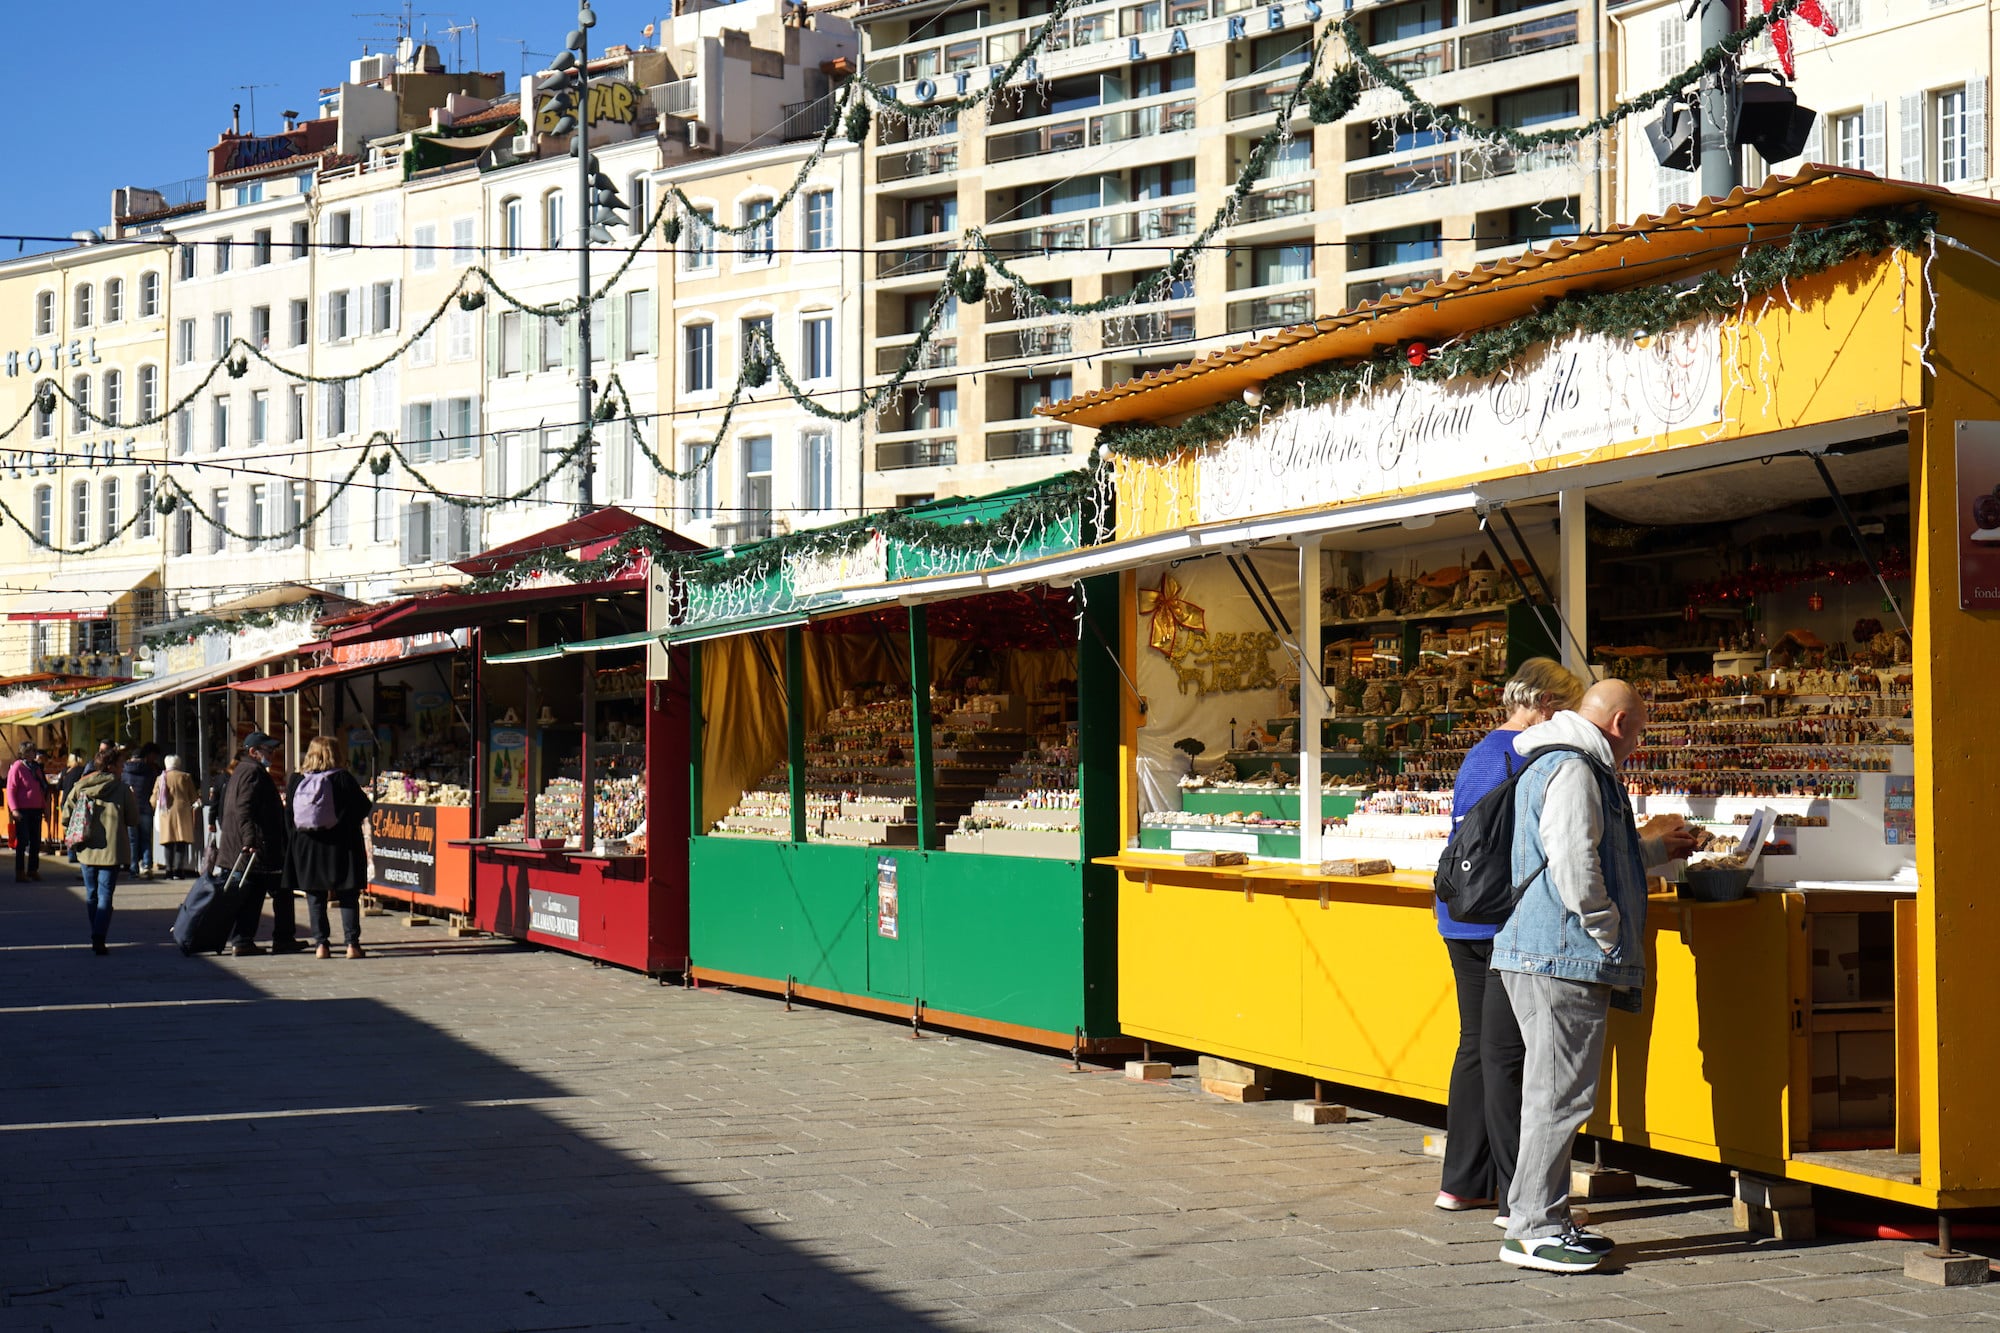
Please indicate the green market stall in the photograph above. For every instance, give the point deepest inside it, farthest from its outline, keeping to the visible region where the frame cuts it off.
(902, 771)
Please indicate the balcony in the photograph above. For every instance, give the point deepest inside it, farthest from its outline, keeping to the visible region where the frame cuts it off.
(679, 98)
(1518, 39)
(912, 261)
(941, 353)
(1040, 340)
(1287, 201)
(1281, 311)
(1152, 223)
(1417, 62)
(1152, 326)
(1424, 173)
(916, 163)
(1264, 100)
(1360, 292)
(1089, 131)
(752, 529)
(1034, 442)
(806, 120)
(931, 451)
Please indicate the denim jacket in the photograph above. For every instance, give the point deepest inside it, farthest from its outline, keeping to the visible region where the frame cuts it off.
(1546, 934)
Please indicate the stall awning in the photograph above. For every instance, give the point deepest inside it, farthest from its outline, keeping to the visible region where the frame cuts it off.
(286, 682)
(201, 677)
(440, 612)
(587, 535)
(644, 638)
(81, 592)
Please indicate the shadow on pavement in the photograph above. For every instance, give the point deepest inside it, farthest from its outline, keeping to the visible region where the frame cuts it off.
(204, 1155)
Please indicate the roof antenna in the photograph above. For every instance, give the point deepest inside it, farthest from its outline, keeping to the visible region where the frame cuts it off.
(252, 88)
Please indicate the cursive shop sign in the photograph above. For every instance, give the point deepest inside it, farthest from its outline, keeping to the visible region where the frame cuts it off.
(1584, 393)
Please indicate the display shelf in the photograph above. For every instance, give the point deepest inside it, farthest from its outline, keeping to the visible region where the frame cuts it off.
(1414, 617)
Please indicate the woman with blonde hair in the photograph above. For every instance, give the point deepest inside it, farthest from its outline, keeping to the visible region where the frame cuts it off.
(1483, 1106)
(328, 855)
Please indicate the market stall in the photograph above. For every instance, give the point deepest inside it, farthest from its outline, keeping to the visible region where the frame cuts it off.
(901, 770)
(1360, 527)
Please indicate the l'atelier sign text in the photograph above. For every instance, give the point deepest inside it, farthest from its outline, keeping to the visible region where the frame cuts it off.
(1136, 49)
(81, 352)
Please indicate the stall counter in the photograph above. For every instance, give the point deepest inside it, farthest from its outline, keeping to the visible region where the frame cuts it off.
(418, 855)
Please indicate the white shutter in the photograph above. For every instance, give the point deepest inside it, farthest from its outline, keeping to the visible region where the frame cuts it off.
(612, 433)
(475, 431)
(1673, 43)
(409, 548)
(1975, 128)
(493, 344)
(569, 341)
(350, 396)
(414, 444)
(395, 306)
(614, 323)
(325, 394)
(1910, 129)
(1815, 150)
(531, 350)
(1875, 138)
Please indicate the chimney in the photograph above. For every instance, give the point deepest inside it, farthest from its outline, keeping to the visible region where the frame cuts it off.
(291, 121)
(236, 118)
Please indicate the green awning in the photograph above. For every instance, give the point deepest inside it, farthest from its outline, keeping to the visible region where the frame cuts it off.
(637, 639)
(718, 629)
(529, 655)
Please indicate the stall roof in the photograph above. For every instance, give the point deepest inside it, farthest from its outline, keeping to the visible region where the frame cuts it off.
(590, 532)
(547, 652)
(288, 681)
(1679, 239)
(456, 610)
(81, 592)
(199, 677)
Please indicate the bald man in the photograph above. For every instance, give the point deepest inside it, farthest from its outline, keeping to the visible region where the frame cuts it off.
(1573, 944)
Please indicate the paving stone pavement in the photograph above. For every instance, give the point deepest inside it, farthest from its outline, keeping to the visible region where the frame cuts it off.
(471, 1135)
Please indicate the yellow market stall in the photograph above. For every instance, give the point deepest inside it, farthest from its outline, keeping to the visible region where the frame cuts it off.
(1747, 455)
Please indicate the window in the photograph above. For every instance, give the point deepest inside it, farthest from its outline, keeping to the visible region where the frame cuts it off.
(754, 338)
(1536, 106)
(108, 516)
(698, 375)
(149, 392)
(1850, 140)
(184, 431)
(1163, 181)
(417, 533)
(553, 335)
(600, 331)
(79, 513)
(260, 247)
(935, 408)
(510, 342)
(301, 239)
(463, 252)
(336, 517)
(114, 398)
(260, 416)
(301, 321)
(819, 220)
(937, 213)
(382, 304)
(1411, 19)
(1539, 222)
(183, 543)
(295, 425)
(1040, 391)
(114, 298)
(458, 341)
(1281, 50)
(383, 527)
(1952, 140)
(149, 295)
(336, 316)
(419, 428)
(84, 306)
(224, 250)
(340, 230)
(1293, 158)
(1397, 245)
(757, 484)
(640, 198)
(698, 241)
(697, 460)
(253, 193)
(45, 314)
(554, 446)
(45, 417)
(79, 392)
(818, 452)
(293, 531)
(511, 239)
(423, 352)
(224, 334)
(423, 248)
(552, 219)
(816, 347)
(382, 220)
(146, 514)
(461, 427)
(760, 242)
(187, 263)
(45, 515)
(638, 323)
(254, 527)
(184, 342)
(260, 327)
(218, 439)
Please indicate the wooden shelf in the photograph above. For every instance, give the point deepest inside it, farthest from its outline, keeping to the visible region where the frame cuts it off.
(1491, 609)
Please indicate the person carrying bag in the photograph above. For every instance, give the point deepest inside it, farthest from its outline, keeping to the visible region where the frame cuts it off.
(328, 850)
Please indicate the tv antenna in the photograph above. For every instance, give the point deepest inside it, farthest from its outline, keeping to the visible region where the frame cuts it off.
(457, 33)
(251, 88)
(525, 53)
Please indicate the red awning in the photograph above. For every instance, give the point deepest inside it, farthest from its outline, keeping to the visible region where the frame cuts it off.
(457, 610)
(587, 535)
(286, 682)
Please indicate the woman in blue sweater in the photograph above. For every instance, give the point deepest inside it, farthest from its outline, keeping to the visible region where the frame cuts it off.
(1483, 1115)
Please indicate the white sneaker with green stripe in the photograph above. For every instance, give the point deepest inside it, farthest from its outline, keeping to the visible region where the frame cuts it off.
(1551, 1254)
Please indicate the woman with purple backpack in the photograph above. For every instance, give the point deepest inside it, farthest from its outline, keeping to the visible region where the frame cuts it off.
(328, 853)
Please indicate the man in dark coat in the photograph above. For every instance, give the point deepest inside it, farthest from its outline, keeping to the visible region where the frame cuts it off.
(253, 818)
(142, 775)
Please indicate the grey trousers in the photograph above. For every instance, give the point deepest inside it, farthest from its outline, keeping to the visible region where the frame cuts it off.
(1562, 1027)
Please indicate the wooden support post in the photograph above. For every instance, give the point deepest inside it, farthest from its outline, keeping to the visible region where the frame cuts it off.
(920, 729)
(1312, 702)
(795, 727)
(695, 738)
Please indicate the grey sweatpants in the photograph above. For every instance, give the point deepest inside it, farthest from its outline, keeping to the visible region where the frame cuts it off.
(1562, 1027)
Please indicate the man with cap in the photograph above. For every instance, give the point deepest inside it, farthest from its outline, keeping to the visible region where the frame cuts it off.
(253, 818)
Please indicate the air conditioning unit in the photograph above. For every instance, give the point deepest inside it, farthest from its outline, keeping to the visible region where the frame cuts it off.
(370, 68)
(700, 135)
(523, 145)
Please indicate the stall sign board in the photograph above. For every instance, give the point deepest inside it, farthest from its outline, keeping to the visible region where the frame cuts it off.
(506, 752)
(885, 897)
(406, 848)
(1899, 812)
(1978, 525)
(557, 914)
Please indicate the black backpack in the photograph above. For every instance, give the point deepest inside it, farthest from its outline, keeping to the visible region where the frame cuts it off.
(1475, 876)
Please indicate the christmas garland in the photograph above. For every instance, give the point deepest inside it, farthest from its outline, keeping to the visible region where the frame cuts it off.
(303, 613)
(1627, 312)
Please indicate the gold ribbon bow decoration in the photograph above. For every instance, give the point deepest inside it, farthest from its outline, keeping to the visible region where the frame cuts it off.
(1176, 620)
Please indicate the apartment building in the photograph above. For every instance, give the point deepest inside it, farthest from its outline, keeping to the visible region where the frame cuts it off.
(1145, 117)
(1901, 90)
(761, 88)
(93, 319)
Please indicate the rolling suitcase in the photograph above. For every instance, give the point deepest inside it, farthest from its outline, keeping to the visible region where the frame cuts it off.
(210, 908)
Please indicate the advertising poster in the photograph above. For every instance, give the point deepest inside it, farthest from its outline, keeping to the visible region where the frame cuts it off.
(1978, 517)
(430, 714)
(1899, 813)
(506, 751)
(405, 838)
(885, 897)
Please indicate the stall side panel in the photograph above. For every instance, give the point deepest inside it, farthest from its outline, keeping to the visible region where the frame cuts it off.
(772, 910)
(1379, 1004)
(1197, 968)
(1003, 940)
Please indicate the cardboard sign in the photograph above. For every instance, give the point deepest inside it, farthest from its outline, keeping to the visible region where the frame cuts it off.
(885, 897)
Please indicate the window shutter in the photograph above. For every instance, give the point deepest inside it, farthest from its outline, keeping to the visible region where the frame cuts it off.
(474, 444)
(569, 341)
(490, 481)
(615, 326)
(1815, 150)
(414, 444)
(493, 344)
(1875, 138)
(531, 349)
(395, 306)
(1910, 128)
(1975, 128)
(326, 391)
(326, 318)
(350, 397)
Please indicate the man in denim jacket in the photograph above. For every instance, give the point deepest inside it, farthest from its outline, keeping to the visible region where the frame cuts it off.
(1574, 946)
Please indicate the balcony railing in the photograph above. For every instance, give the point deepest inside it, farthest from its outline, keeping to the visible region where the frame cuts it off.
(1137, 224)
(935, 451)
(1040, 340)
(916, 163)
(1088, 131)
(679, 98)
(1152, 326)
(1035, 442)
(942, 352)
(752, 529)
(1265, 312)
(1287, 201)
(1426, 173)
(1263, 100)
(1358, 292)
(913, 260)
(1518, 39)
(806, 120)
(1057, 138)
(1418, 62)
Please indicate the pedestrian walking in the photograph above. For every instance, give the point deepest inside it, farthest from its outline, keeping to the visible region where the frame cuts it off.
(27, 803)
(174, 801)
(1574, 946)
(329, 857)
(253, 819)
(71, 776)
(1483, 1107)
(211, 807)
(96, 820)
(142, 774)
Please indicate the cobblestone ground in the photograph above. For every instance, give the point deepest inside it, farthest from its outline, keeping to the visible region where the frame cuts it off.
(468, 1135)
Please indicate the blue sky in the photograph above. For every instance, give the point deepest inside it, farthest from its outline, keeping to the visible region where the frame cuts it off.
(133, 92)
